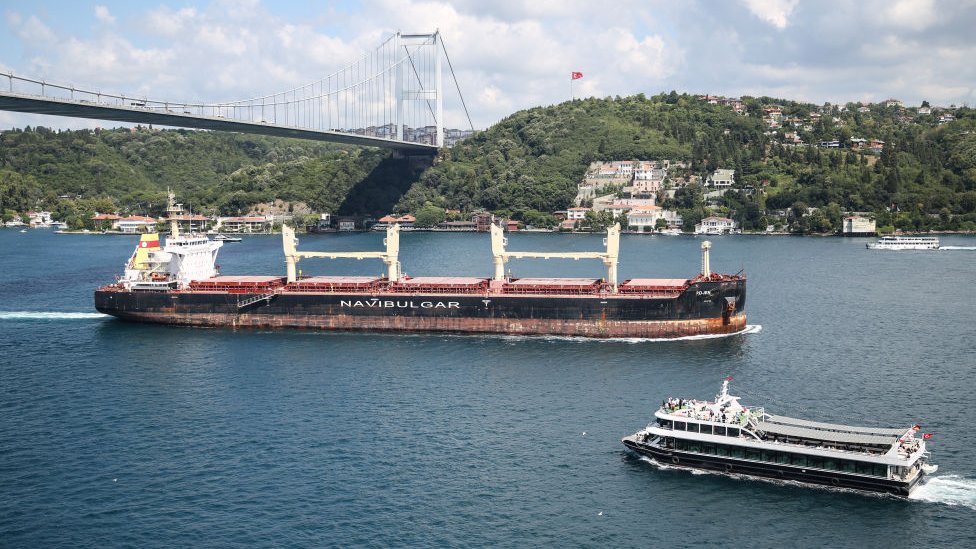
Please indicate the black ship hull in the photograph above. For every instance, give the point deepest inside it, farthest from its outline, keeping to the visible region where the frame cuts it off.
(728, 465)
(704, 307)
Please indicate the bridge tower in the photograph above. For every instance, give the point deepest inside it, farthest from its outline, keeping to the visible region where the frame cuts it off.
(415, 53)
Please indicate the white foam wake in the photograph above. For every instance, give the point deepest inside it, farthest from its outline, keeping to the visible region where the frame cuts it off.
(47, 315)
(949, 490)
(957, 247)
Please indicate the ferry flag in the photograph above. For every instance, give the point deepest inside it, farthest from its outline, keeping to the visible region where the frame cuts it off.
(927, 436)
(576, 75)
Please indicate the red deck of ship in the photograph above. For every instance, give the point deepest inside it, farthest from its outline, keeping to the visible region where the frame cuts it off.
(636, 287)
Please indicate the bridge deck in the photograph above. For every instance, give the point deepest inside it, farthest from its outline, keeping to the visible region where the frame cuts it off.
(137, 115)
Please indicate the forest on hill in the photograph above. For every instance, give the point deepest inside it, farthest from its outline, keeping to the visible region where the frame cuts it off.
(529, 165)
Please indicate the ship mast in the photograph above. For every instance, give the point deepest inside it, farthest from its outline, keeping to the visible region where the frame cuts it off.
(172, 211)
(706, 265)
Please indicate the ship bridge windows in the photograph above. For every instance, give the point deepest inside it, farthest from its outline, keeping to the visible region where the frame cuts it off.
(680, 426)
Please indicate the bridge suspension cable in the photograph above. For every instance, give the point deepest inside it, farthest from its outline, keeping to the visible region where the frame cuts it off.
(394, 92)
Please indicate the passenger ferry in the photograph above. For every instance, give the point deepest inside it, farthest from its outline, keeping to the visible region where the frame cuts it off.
(905, 243)
(726, 436)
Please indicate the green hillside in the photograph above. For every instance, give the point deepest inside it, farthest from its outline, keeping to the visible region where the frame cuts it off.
(529, 165)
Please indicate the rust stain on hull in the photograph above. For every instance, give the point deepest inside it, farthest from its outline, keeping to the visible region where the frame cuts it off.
(576, 327)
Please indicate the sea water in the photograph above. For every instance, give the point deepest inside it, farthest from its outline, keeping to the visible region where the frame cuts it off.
(119, 434)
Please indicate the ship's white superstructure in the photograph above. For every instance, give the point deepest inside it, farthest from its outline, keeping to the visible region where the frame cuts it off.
(184, 258)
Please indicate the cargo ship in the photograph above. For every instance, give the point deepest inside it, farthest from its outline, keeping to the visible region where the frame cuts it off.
(179, 284)
(725, 436)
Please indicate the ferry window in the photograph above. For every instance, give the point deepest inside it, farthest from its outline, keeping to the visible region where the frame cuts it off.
(679, 426)
(720, 430)
(708, 449)
(847, 465)
(692, 427)
(815, 461)
(782, 458)
(863, 468)
(733, 432)
(798, 459)
(680, 445)
(752, 454)
(832, 464)
(735, 451)
(664, 423)
(706, 429)
(694, 447)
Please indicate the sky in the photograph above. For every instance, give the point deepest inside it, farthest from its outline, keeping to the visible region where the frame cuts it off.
(508, 55)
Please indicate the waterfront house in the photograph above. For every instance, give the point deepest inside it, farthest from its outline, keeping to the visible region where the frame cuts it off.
(246, 224)
(135, 224)
(645, 218)
(715, 225)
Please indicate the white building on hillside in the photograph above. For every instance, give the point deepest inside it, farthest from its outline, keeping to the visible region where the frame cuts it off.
(715, 225)
(574, 214)
(721, 179)
(644, 218)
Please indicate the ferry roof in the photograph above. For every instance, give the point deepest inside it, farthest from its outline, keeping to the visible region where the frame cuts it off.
(833, 433)
(835, 426)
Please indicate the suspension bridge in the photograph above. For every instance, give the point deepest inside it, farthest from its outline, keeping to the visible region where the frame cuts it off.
(392, 96)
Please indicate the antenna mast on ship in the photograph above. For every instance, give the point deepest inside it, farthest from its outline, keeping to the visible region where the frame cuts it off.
(172, 211)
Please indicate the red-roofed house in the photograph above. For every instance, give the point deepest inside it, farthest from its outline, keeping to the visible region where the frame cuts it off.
(247, 224)
(135, 224)
(192, 223)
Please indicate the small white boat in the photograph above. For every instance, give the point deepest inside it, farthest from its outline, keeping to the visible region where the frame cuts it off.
(23, 230)
(905, 243)
(227, 238)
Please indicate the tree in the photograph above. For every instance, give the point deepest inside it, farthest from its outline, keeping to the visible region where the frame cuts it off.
(429, 216)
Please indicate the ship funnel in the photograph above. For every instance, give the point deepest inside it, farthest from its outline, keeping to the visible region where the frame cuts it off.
(706, 266)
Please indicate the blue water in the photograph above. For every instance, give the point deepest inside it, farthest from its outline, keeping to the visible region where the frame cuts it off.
(116, 434)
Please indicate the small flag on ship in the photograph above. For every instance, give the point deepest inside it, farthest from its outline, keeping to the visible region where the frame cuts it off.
(927, 436)
(576, 75)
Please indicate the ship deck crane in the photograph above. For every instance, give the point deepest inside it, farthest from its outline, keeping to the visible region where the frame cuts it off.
(389, 257)
(609, 258)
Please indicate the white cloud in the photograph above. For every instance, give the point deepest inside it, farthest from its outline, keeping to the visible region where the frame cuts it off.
(103, 15)
(774, 12)
(510, 54)
(910, 14)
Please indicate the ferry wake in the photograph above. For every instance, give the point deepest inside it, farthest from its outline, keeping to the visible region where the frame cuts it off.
(179, 284)
(725, 436)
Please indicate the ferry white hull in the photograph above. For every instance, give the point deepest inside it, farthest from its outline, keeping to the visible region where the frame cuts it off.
(728, 465)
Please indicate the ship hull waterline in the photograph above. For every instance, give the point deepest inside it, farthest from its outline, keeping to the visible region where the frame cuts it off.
(833, 479)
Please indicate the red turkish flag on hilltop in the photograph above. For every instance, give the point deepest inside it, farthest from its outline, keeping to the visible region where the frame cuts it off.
(576, 75)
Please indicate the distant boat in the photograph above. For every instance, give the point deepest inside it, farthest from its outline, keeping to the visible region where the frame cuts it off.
(905, 243)
(23, 230)
(670, 231)
(227, 238)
